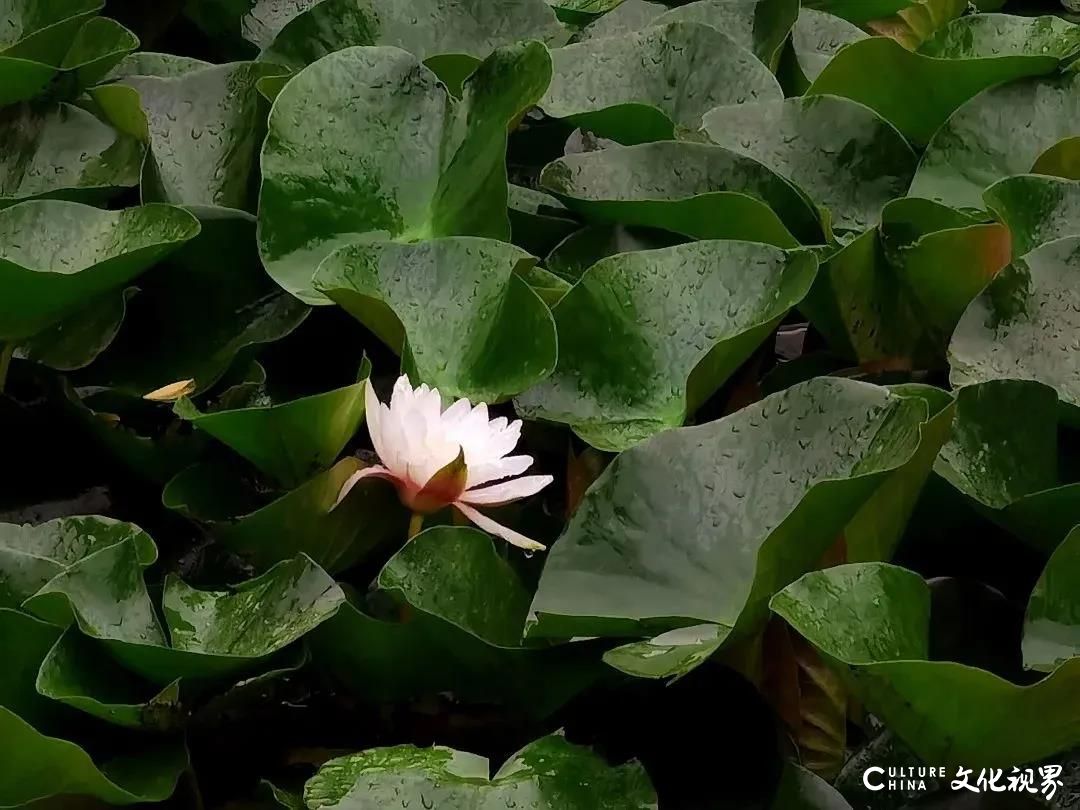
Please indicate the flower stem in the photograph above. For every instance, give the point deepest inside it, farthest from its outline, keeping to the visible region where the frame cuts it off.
(6, 350)
(416, 523)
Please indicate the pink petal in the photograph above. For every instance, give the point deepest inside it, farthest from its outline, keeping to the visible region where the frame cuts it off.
(508, 490)
(497, 529)
(374, 471)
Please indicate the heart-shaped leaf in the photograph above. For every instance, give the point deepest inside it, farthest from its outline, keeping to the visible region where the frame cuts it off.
(457, 311)
(884, 299)
(54, 255)
(761, 26)
(289, 441)
(465, 31)
(30, 556)
(549, 774)
(999, 133)
(644, 338)
(63, 151)
(917, 92)
(304, 520)
(205, 128)
(150, 63)
(642, 86)
(630, 15)
(41, 764)
(462, 620)
(76, 341)
(1009, 468)
(816, 38)
(211, 302)
(76, 673)
(357, 178)
(1021, 325)
(715, 194)
(210, 633)
(1035, 209)
(1052, 623)
(702, 524)
(872, 620)
(35, 39)
(844, 156)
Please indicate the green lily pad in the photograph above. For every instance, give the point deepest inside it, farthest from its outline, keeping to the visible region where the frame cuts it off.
(549, 774)
(1060, 160)
(210, 303)
(1009, 467)
(630, 15)
(22, 79)
(999, 133)
(584, 248)
(30, 556)
(205, 129)
(872, 621)
(1021, 325)
(54, 255)
(843, 155)
(875, 532)
(703, 524)
(76, 673)
(359, 178)
(456, 558)
(817, 37)
(669, 654)
(642, 86)
(859, 11)
(884, 299)
(301, 521)
(76, 341)
(1052, 623)
(455, 309)
(1035, 209)
(579, 13)
(44, 30)
(761, 26)
(538, 222)
(715, 194)
(34, 42)
(65, 152)
(262, 20)
(918, 92)
(210, 633)
(38, 766)
(99, 46)
(646, 337)
(464, 30)
(466, 609)
(150, 63)
(289, 441)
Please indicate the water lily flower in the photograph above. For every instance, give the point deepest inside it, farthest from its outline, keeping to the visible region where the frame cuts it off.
(454, 457)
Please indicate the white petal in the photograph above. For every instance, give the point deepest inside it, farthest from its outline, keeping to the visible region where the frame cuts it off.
(455, 413)
(402, 396)
(508, 490)
(502, 468)
(497, 529)
(375, 470)
(374, 422)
